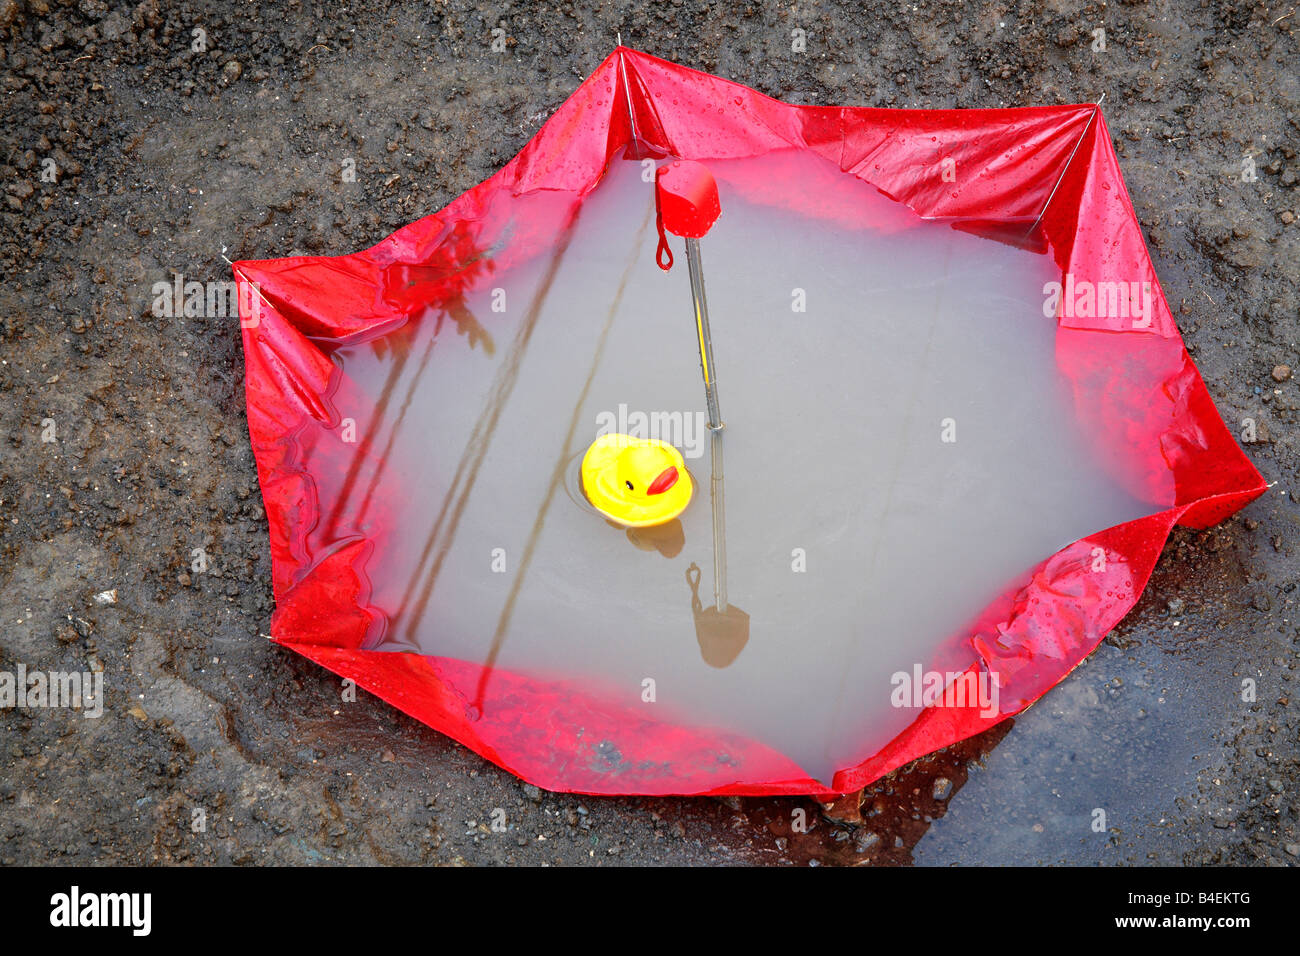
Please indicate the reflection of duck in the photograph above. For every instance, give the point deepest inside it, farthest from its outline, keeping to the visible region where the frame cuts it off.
(668, 539)
(637, 482)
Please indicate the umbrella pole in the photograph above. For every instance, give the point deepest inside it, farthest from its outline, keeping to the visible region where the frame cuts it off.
(686, 198)
(715, 422)
(702, 332)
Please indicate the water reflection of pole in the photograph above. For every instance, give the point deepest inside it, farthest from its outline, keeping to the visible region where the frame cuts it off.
(722, 630)
(719, 522)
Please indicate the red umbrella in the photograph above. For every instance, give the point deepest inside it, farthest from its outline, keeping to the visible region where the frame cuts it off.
(415, 443)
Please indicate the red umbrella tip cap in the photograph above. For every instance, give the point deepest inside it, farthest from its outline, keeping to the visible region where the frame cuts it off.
(688, 198)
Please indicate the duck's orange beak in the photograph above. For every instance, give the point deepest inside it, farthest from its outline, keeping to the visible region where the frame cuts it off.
(667, 478)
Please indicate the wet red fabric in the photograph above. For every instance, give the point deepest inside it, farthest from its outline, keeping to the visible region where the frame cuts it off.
(992, 172)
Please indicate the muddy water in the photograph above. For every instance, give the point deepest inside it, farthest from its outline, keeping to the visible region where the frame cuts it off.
(899, 450)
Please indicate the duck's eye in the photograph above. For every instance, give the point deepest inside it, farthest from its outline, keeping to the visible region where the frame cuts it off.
(629, 486)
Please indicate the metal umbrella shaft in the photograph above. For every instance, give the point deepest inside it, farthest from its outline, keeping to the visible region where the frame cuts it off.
(702, 331)
(715, 423)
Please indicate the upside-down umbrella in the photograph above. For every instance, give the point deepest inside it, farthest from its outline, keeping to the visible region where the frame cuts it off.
(961, 424)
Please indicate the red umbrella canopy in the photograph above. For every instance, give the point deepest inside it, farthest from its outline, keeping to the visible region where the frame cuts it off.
(961, 424)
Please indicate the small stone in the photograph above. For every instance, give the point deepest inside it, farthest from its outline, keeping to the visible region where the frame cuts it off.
(387, 757)
(942, 789)
(1293, 849)
(106, 597)
(231, 71)
(1176, 605)
(533, 793)
(1281, 373)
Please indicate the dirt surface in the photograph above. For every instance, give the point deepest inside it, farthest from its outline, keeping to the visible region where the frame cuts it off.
(162, 156)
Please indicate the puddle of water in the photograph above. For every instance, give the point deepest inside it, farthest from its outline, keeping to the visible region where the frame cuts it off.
(1098, 774)
(858, 541)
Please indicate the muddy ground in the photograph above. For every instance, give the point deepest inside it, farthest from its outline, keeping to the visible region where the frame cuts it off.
(162, 156)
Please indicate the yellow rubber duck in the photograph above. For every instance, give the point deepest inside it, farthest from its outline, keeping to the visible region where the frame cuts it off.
(637, 482)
